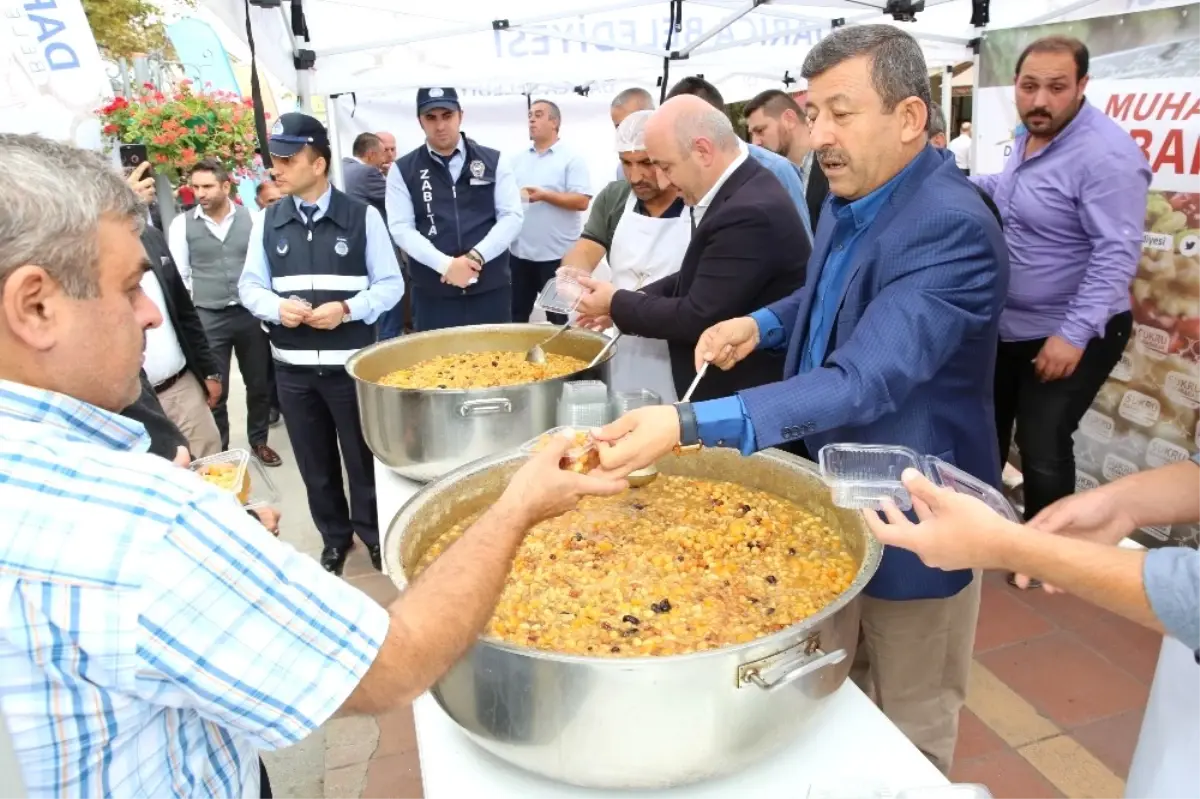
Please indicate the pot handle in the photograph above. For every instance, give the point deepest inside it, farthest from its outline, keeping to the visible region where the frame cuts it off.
(794, 670)
(483, 407)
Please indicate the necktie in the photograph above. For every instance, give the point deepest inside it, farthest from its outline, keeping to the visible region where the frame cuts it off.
(310, 213)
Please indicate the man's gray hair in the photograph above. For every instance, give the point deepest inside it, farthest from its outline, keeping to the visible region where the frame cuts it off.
(898, 68)
(552, 110)
(637, 95)
(54, 196)
(937, 122)
(710, 123)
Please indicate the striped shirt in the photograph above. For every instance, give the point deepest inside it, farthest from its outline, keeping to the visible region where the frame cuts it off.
(153, 636)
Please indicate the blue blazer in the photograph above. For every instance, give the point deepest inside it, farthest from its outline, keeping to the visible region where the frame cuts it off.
(912, 350)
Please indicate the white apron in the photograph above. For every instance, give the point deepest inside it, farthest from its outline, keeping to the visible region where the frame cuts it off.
(645, 248)
(1166, 763)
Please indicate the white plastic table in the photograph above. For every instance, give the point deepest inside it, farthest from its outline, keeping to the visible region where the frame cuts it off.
(848, 747)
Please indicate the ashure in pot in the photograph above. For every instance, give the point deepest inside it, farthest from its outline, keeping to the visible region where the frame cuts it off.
(425, 433)
(649, 722)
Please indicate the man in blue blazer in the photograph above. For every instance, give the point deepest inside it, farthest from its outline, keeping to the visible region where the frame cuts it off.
(891, 341)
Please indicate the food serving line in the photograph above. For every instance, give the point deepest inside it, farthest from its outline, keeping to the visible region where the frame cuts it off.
(846, 749)
(775, 713)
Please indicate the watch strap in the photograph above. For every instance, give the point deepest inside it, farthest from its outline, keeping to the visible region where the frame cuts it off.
(689, 430)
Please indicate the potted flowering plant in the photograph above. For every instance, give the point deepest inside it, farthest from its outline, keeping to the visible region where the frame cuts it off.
(182, 127)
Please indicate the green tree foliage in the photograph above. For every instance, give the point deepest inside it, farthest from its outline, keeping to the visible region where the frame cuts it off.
(124, 28)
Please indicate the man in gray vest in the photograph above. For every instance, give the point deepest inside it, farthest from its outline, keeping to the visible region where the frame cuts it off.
(320, 270)
(209, 244)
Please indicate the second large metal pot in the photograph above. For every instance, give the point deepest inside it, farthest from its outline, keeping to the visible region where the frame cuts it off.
(423, 434)
(651, 722)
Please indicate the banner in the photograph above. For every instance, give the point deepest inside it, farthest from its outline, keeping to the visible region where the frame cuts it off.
(1144, 69)
(51, 77)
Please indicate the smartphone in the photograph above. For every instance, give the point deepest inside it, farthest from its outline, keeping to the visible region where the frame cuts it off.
(132, 155)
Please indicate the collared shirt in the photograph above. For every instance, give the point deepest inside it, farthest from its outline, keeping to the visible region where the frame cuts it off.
(726, 419)
(960, 145)
(699, 209)
(403, 224)
(805, 168)
(177, 236)
(164, 356)
(1073, 218)
(548, 231)
(153, 636)
(1172, 579)
(789, 175)
(386, 284)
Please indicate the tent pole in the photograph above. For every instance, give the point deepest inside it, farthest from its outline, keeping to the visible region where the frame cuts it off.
(948, 100)
(974, 151)
(737, 14)
(335, 141)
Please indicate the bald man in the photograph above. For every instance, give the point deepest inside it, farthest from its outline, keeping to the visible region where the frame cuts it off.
(389, 150)
(748, 248)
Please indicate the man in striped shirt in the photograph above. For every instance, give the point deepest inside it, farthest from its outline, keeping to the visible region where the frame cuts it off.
(153, 636)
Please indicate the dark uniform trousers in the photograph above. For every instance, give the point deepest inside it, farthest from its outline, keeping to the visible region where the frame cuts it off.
(435, 311)
(321, 409)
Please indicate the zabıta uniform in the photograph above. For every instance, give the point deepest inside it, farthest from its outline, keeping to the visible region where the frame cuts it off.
(327, 249)
(442, 206)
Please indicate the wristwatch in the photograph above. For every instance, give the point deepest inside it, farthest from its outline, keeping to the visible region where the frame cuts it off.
(475, 256)
(689, 429)
(346, 313)
(213, 377)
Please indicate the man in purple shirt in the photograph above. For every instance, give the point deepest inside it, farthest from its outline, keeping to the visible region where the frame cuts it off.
(1073, 199)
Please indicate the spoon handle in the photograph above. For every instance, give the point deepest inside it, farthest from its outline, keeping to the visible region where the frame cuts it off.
(695, 382)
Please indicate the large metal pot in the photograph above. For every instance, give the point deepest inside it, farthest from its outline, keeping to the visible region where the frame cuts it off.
(652, 722)
(423, 434)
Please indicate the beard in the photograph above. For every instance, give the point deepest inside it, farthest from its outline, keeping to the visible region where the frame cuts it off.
(1043, 122)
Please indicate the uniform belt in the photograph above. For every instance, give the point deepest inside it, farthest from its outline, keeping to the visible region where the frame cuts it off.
(170, 381)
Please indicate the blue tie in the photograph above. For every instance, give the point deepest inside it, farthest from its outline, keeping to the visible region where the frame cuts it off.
(310, 214)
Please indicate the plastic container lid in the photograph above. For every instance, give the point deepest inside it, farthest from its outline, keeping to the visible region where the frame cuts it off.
(580, 391)
(625, 401)
(861, 476)
(561, 294)
(580, 457)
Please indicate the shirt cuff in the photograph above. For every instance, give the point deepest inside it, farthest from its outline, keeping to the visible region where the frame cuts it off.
(1076, 333)
(359, 307)
(1172, 579)
(770, 329)
(443, 265)
(724, 422)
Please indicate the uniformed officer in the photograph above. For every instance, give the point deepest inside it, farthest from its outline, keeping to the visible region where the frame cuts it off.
(320, 269)
(454, 207)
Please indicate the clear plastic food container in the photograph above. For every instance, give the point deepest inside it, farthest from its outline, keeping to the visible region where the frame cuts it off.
(561, 294)
(228, 470)
(625, 401)
(262, 489)
(861, 476)
(582, 457)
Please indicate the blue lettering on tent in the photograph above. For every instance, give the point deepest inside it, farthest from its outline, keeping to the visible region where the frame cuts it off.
(58, 55)
(651, 34)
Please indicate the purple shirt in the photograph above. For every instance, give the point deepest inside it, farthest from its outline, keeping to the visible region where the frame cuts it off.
(1073, 218)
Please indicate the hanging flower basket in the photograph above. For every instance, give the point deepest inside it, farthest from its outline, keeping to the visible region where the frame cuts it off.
(180, 128)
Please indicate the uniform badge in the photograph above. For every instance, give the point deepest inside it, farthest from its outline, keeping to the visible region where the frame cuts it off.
(436, 92)
(477, 168)
(341, 248)
(277, 128)
(282, 247)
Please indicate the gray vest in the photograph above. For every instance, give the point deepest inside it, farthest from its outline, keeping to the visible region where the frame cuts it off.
(216, 264)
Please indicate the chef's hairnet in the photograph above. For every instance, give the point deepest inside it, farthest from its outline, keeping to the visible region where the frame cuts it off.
(631, 133)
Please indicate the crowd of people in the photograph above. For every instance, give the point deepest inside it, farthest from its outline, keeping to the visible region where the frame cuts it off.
(841, 272)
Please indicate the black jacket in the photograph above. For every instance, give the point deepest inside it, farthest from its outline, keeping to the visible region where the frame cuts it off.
(365, 182)
(748, 251)
(181, 314)
(818, 190)
(165, 437)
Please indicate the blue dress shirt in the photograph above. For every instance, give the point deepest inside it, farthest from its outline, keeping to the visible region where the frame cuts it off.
(385, 284)
(789, 175)
(724, 421)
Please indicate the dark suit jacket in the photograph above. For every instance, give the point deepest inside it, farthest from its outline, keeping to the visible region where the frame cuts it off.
(749, 250)
(181, 314)
(165, 437)
(817, 191)
(365, 182)
(911, 351)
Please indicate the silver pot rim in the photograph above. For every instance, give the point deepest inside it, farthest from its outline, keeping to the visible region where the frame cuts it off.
(400, 341)
(873, 553)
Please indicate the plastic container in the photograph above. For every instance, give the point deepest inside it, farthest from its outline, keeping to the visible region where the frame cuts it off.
(584, 391)
(584, 403)
(625, 401)
(582, 457)
(262, 489)
(861, 476)
(228, 470)
(561, 294)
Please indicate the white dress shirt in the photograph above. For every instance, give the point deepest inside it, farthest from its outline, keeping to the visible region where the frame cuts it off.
(177, 237)
(402, 221)
(164, 356)
(705, 201)
(385, 285)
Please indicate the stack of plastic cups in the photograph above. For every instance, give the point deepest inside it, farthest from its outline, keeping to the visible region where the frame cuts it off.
(584, 403)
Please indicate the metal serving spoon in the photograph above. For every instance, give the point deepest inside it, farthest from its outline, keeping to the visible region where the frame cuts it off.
(646, 476)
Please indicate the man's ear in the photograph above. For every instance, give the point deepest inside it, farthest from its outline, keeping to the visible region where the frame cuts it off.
(30, 301)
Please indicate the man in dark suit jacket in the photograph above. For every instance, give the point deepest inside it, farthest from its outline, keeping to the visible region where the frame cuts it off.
(893, 341)
(363, 174)
(748, 247)
(186, 406)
